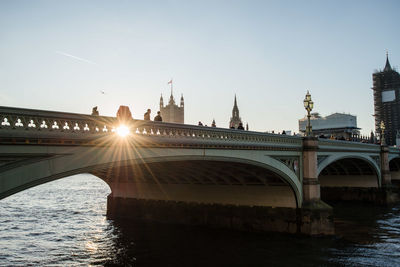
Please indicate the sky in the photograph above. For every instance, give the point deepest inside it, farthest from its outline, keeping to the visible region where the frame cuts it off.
(61, 55)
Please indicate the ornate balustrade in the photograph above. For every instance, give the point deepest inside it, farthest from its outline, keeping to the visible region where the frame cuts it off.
(21, 125)
(17, 122)
(28, 119)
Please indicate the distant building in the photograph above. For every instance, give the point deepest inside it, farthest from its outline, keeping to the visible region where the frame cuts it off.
(235, 119)
(386, 87)
(171, 112)
(336, 125)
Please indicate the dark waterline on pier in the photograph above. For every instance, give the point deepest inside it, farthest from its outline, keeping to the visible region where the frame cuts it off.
(63, 223)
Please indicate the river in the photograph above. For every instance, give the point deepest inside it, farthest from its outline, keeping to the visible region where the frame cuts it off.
(63, 223)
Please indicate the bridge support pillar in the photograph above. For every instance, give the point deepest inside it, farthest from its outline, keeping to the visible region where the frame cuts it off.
(311, 186)
(316, 216)
(385, 170)
(388, 191)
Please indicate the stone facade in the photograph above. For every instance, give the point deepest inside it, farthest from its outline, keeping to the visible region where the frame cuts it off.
(172, 112)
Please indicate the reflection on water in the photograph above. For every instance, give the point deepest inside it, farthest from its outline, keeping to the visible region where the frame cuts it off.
(63, 223)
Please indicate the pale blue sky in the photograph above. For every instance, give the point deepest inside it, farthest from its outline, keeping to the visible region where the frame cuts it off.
(59, 55)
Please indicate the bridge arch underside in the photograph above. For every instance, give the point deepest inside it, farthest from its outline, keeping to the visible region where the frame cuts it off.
(201, 181)
(349, 179)
(394, 166)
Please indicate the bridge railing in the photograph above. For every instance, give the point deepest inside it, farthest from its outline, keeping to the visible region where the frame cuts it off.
(21, 122)
(394, 150)
(339, 145)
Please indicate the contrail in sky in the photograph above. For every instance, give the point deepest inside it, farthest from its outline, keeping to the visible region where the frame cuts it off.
(77, 58)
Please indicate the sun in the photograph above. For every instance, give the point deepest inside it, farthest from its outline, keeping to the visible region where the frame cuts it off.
(122, 130)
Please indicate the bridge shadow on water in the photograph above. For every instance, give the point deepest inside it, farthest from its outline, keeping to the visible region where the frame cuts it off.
(63, 224)
(365, 223)
(150, 244)
(365, 235)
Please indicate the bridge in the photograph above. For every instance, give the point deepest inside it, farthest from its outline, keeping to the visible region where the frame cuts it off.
(194, 174)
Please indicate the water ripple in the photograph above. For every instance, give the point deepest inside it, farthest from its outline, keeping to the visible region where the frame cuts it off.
(63, 223)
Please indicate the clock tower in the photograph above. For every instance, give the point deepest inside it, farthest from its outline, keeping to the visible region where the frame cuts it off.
(386, 88)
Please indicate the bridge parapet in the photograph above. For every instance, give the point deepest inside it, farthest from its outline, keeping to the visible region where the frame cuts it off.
(347, 146)
(20, 123)
(40, 120)
(394, 152)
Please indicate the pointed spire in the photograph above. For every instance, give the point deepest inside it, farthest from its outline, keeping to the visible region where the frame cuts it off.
(161, 101)
(235, 110)
(171, 82)
(387, 65)
(235, 119)
(182, 101)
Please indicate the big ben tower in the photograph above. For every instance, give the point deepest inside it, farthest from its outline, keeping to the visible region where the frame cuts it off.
(386, 87)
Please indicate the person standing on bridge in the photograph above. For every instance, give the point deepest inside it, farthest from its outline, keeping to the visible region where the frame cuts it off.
(158, 117)
(147, 115)
(95, 112)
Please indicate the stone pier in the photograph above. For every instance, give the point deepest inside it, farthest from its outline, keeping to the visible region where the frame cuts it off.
(313, 220)
(319, 213)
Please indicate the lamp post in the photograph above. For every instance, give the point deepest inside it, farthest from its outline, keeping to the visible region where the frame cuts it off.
(308, 105)
(382, 133)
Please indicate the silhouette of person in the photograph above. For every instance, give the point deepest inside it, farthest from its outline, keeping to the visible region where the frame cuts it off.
(147, 115)
(124, 113)
(95, 112)
(158, 117)
(240, 127)
(200, 124)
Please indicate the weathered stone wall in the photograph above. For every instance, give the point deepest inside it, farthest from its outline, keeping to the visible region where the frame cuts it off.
(310, 221)
(379, 196)
(348, 181)
(273, 196)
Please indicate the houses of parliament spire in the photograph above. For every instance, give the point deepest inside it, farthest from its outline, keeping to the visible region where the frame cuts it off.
(235, 119)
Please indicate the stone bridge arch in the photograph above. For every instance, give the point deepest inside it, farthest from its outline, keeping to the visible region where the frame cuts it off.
(266, 180)
(335, 157)
(349, 177)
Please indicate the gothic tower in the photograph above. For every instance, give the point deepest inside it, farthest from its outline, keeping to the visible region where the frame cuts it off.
(172, 112)
(386, 87)
(235, 119)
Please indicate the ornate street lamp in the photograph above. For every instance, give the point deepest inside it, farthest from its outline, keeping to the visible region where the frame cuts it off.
(308, 105)
(382, 133)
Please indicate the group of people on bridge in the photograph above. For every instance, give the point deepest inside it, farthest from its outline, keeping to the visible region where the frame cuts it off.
(146, 116)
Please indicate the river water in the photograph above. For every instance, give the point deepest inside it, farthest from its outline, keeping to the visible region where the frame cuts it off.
(63, 223)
